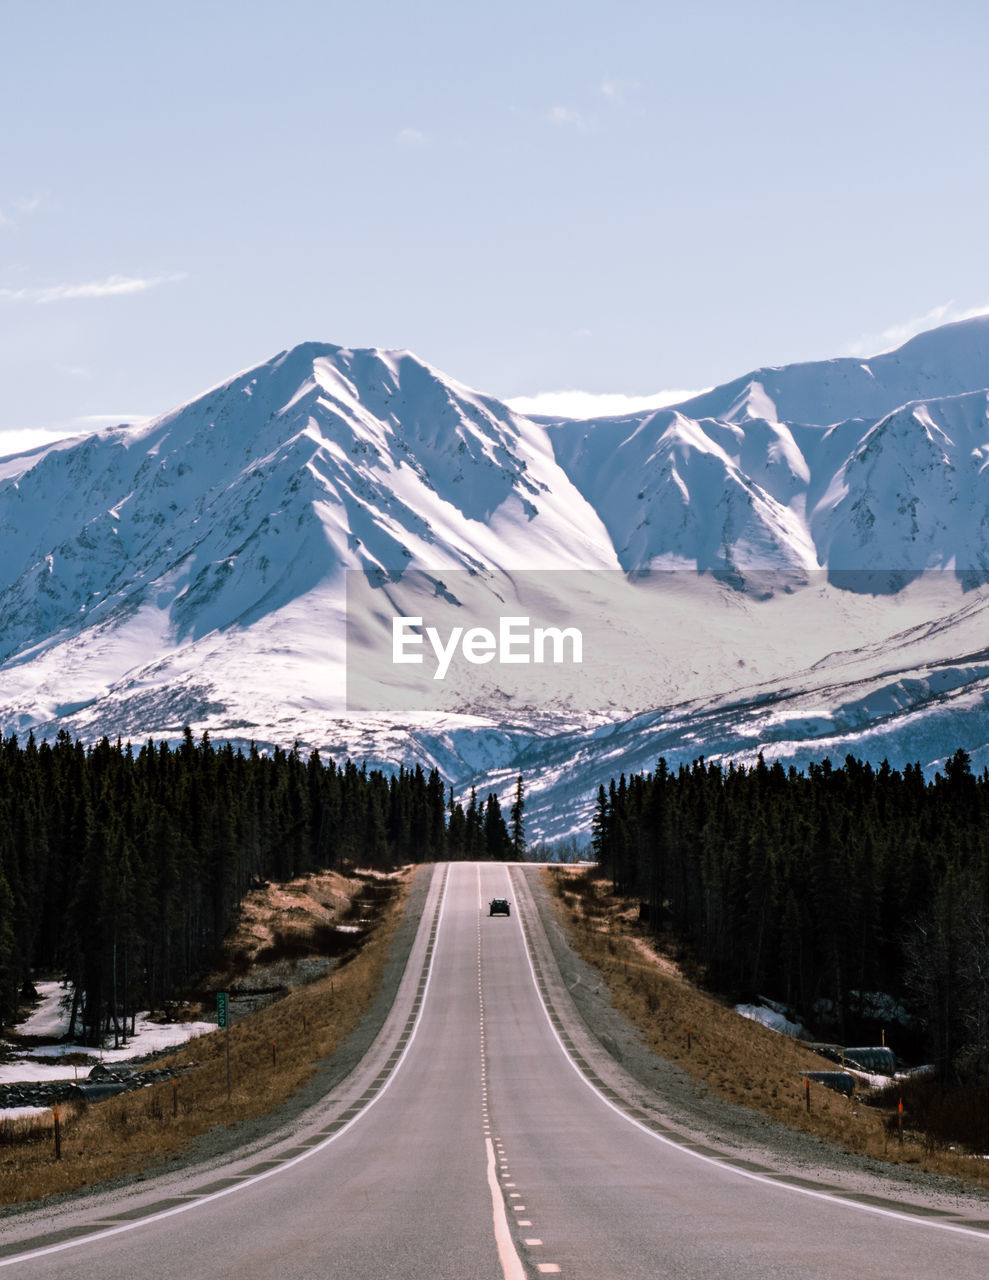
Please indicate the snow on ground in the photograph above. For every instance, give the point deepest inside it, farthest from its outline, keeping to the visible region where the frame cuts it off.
(870, 1079)
(51, 1019)
(773, 1020)
(777, 1021)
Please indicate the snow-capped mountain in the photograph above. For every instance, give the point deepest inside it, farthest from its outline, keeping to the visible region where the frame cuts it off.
(844, 465)
(320, 460)
(793, 561)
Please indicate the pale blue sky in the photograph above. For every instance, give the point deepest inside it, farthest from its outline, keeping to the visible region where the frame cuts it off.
(619, 197)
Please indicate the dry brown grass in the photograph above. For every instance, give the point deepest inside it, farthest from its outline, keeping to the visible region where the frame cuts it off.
(133, 1131)
(739, 1059)
(283, 919)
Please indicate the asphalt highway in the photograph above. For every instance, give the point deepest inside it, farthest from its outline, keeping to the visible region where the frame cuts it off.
(470, 1146)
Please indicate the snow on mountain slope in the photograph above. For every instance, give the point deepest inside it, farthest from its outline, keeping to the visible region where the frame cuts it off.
(913, 693)
(192, 570)
(838, 464)
(914, 493)
(227, 509)
(946, 361)
(713, 496)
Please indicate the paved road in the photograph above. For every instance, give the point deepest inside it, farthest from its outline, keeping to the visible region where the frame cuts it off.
(471, 1148)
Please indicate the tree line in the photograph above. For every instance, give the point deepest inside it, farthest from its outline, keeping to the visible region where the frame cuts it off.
(124, 870)
(817, 888)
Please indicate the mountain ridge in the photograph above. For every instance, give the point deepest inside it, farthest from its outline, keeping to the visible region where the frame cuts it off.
(192, 569)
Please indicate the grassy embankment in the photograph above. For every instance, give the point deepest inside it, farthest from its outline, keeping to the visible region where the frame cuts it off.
(273, 1053)
(740, 1060)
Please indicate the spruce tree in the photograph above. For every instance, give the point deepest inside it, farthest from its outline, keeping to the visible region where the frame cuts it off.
(517, 822)
(496, 843)
(10, 967)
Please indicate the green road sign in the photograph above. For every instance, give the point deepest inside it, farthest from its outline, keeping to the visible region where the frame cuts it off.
(221, 1008)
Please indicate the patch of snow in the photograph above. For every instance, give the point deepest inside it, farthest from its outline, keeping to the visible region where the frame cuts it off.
(773, 1019)
(51, 1015)
(51, 1019)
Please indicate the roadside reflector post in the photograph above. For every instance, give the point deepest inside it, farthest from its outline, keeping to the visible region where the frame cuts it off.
(688, 1039)
(807, 1090)
(58, 1135)
(223, 1020)
(175, 1097)
(273, 1053)
(899, 1120)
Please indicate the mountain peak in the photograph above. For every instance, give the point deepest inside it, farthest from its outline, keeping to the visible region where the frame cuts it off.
(172, 572)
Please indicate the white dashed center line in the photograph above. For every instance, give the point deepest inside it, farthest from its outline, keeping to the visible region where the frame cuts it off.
(508, 1256)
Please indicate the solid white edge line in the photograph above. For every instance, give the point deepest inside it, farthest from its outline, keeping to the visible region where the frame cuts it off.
(511, 1263)
(912, 1219)
(289, 1164)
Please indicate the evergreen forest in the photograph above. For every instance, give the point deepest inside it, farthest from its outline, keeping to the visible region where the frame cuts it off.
(818, 888)
(123, 870)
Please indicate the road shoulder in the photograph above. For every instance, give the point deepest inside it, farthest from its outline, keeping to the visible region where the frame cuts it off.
(223, 1151)
(693, 1115)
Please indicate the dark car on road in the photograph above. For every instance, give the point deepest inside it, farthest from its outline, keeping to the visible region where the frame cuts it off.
(499, 907)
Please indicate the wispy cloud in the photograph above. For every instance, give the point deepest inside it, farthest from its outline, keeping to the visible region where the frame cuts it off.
(410, 138)
(566, 117)
(616, 91)
(21, 439)
(591, 404)
(22, 207)
(111, 287)
(871, 344)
